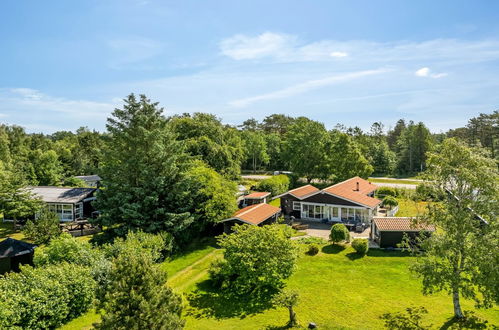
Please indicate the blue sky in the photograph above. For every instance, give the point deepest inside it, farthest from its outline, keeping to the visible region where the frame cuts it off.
(66, 64)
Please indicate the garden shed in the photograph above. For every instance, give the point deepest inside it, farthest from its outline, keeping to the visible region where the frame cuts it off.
(390, 231)
(14, 253)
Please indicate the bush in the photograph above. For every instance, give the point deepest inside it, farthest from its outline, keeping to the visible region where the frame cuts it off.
(159, 245)
(276, 185)
(45, 298)
(339, 233)
(360, 245)
(43, 229)
(313, 249)
(66, 248)
(386, 191)
(390, 202)
(256, 260)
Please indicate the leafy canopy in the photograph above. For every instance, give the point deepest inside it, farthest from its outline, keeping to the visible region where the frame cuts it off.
(256, 259)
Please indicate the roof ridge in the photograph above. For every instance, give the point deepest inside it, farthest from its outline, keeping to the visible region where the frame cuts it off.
(302, 187)
(344, 181)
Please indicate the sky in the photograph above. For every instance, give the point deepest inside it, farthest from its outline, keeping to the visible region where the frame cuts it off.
(66, 64)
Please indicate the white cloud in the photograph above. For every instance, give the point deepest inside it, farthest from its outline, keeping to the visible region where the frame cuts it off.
(426, 72)
(338, 54)
(288, 48)
(304, 87)
(241, 47)
(36, 110)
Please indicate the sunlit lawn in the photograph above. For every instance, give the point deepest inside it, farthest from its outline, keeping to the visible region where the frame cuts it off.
(337, 290)
(398, 181)
(7, 230)
(410, 208)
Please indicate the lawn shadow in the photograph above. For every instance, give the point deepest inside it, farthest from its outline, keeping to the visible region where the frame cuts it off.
(471, 321)
(333, 248)
(354, 256)
(207, 301)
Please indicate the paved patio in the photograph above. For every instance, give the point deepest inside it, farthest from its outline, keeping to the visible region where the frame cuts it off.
(319, 229)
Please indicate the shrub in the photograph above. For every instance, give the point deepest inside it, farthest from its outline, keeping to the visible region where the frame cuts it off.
(45, 298)
(313, 249)
(159, 245)
(339, 233)
(386, 191)
(390, 202)
(360, 245)
(66, 248)
(44, 228)
(276, 185)
(256, 259)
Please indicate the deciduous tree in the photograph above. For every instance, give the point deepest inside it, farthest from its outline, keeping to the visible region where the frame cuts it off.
(461, 257)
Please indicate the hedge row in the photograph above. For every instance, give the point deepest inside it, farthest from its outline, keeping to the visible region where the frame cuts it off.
(45, 298)
(276, 185)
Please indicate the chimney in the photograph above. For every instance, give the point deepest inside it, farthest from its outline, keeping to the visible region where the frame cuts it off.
(358, 189)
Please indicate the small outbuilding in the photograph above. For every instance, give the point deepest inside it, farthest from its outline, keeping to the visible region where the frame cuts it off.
(90, 180)
(255, 198)
(14, 253)
(390, 231)
(257, 215)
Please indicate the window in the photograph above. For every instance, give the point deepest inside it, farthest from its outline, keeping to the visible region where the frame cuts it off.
(79, 210)
(296, 206)
(63, 211)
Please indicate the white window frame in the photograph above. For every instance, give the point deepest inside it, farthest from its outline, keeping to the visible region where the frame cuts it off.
(296, 206)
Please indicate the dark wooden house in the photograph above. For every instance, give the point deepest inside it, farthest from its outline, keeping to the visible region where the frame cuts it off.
(69, 204)
(14, 253)
(350, 201)
(390, 231)
(255, 198)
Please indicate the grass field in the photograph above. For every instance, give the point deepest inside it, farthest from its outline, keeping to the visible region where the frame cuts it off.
(410, 208)
(399, 181)
(338, 290)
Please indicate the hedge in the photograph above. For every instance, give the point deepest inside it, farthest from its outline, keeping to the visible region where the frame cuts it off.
(45, 298)
(276, 185)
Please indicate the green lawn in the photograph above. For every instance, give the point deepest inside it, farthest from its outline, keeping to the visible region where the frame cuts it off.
(410, 208)
(337, 290)
(276, 202)
(400, 181)
(7, 230)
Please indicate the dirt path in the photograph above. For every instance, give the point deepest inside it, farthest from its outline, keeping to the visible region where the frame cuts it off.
(192, 273)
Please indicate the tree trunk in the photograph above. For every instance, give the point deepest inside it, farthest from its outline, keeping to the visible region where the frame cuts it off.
(458, 313)
(292, 317)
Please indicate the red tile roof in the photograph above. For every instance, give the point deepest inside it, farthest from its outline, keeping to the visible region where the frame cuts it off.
(400, 224)
(303, 191)
(257, 195)
(255, 214)
(355, 190)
